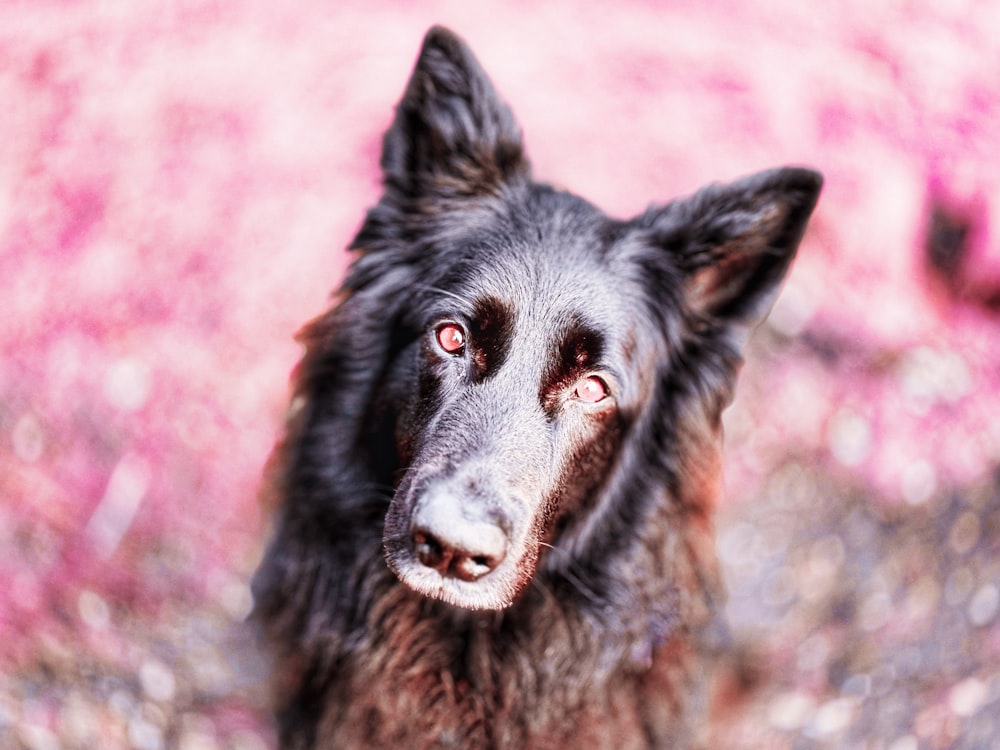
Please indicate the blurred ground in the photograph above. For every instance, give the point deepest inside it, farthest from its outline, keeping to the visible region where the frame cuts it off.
(177, 182)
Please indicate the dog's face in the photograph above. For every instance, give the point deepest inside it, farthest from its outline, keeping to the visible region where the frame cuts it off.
(522, 383)
(543, 332)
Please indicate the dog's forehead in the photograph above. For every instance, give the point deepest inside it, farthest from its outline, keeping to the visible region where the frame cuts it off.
(547, 261)
(545, 285)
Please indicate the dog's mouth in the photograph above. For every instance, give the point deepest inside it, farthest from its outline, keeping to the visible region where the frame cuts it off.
(465, 549)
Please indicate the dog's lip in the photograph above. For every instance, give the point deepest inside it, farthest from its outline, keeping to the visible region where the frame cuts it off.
(489, 593)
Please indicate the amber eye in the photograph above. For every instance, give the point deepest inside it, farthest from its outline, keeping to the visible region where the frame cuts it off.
(451, 338)
(591, 389)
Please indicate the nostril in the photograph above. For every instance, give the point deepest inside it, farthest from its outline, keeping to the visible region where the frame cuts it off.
(475, 567)
(430, 551)
(467, 561)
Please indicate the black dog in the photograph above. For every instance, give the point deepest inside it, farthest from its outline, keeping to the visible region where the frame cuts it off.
(515, 403)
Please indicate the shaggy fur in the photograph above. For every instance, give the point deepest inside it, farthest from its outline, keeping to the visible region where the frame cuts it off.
(494, 496)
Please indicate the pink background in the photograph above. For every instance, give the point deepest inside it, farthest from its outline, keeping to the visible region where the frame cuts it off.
(178, 180)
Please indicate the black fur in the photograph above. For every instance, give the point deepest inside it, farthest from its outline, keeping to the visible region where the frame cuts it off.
(471, 550)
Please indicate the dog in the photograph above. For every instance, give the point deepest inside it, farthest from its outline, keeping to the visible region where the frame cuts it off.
(494, 493)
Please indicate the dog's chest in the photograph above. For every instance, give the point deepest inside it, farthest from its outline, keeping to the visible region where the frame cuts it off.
(467, 686)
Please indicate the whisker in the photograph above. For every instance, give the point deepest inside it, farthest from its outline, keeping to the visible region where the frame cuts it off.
(439, 290)
(567, 573)
(587, 592)
(374, 487)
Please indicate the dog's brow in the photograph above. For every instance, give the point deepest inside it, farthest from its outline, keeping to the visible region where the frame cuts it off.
(444, 292)
(492, 329)
(581, 346)
(578, 349)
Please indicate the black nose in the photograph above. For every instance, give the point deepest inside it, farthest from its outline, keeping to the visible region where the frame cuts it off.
(456, 546)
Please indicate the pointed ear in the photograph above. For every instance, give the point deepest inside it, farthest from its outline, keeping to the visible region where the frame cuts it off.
(452, 135)
(735, 242)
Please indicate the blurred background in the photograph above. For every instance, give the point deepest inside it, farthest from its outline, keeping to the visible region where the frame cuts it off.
(178, 182)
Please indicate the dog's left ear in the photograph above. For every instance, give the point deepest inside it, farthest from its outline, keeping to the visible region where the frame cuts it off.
(734, 242)
(452, 136)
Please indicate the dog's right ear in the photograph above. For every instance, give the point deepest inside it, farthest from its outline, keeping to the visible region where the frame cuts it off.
(452, 136)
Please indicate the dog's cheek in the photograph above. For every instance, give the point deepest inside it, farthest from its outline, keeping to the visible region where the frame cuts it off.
(593, 445)
(417, 408)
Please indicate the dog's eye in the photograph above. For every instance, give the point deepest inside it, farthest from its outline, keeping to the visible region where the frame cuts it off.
(451, 338)
(591, 389)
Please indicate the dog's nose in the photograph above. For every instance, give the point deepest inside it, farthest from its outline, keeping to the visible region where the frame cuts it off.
(447, 540)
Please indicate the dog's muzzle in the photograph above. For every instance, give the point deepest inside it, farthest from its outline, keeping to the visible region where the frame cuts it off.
(460, 538)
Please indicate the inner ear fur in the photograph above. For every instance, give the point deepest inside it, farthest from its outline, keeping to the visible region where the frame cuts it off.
(733, 243)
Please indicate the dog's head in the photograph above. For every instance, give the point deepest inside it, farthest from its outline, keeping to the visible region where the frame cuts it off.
(544, 336)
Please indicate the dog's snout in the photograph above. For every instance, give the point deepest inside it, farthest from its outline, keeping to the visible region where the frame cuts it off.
(447, 540)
